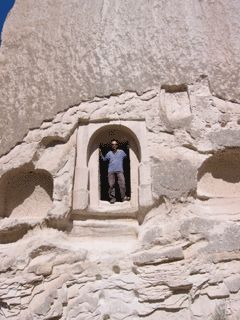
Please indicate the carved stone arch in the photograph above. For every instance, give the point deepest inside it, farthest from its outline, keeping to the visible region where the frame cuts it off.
(86, 185)
(104, 135)
(114, 131)
(26, 193)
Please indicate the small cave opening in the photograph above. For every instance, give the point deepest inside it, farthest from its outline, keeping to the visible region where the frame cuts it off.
(5, 7)
(219, 175)
(103, 170)
(174, 88)
(26, 192)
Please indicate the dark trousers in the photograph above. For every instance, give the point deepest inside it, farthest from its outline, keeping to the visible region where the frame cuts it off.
(112, 182)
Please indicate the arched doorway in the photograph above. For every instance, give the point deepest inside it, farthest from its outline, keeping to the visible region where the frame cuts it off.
(103, 171)
(98, 183)
(88, 196)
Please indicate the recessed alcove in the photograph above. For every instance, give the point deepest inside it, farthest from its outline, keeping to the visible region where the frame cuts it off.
(25, 192)
(88, 198)
(219, 175)
(103, 136)
(103, 171)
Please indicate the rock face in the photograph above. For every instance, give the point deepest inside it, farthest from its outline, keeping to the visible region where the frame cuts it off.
(57, 54)
(80, 74)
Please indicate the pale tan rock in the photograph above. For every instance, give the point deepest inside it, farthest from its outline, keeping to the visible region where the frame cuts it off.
(226, 106)
(99, 48)
(175, 109)
(173, 251)
(219, 208)
(203, 307)
(216, 292)
(173, 178)
(158, 256)
(164, 315)
(233, 283)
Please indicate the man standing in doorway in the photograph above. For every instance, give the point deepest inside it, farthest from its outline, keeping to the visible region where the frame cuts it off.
(115, 169)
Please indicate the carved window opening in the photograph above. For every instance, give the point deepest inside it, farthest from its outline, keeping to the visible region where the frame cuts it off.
(219, 175)
(103, 172)
(25, 193)
(89, 199)
(104, 136)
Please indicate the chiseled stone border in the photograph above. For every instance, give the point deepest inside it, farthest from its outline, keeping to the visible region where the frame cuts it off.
(86, 193)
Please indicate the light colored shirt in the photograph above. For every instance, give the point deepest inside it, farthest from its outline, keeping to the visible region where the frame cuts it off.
(115, 160)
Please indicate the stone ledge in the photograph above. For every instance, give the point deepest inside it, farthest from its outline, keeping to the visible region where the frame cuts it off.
(153, 257)
(12, 230)
(107, 210)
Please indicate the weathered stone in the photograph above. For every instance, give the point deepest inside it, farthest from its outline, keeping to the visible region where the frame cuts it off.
(226, 239)
(144, 73)
(158, 256)
(225, 138)
(233, 283)
(217, 292)
(173, 179)
(175, 109)
(195, 226)
(151, 54)
(226, 106)
(203, 307)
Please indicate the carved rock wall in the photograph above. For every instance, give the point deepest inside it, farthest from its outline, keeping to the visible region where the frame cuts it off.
(169, 65)
(178, 259)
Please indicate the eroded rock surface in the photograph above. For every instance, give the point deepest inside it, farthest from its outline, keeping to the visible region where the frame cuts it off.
(162, 76)
(178, 258)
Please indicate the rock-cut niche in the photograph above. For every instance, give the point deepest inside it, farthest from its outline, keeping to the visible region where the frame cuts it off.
(25, 193)
(90, 194)
(103, 171)
(98, 169)
(219, 176)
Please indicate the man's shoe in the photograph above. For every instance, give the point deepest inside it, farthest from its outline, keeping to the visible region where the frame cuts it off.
(112, 201)
(126, 198)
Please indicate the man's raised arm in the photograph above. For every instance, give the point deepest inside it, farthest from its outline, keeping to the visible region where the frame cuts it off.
(102, 156)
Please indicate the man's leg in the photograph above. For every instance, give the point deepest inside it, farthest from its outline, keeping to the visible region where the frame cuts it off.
(111, 191)
(122, 185)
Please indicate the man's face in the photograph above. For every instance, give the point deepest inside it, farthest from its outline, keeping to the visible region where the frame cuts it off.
(114, 145)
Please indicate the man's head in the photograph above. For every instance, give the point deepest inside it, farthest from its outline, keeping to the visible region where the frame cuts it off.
(114, 144)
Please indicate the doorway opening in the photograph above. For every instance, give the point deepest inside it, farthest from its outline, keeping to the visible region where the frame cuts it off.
(103, 172)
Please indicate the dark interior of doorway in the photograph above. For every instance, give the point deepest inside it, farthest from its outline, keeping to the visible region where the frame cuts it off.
(103, 169)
